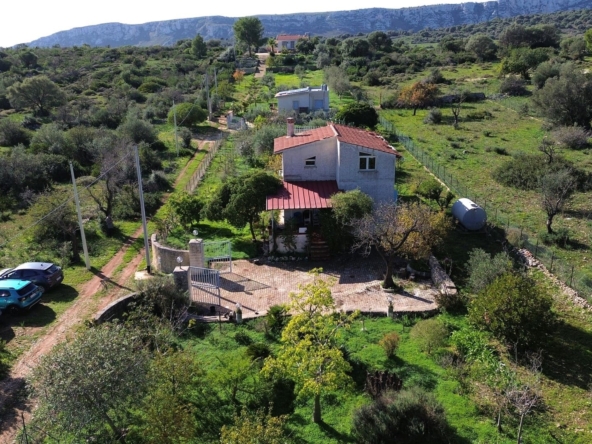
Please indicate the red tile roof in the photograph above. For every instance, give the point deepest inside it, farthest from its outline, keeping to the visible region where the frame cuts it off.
(360, 137)
(284, 142)
(303, 195)
(289, 37)
(346, 134)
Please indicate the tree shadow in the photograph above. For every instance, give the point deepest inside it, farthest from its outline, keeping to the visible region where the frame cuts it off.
(14, 400)
(61, 293)
(568, 359)
(330, 432)
(38, 316)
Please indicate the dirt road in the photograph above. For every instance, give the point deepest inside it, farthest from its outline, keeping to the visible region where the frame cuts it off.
(14, 403)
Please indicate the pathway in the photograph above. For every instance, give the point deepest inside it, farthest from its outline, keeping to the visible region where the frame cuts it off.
(13, 400)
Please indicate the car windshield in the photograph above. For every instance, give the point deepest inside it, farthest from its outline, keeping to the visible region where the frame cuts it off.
(26, 289)
(52, 269)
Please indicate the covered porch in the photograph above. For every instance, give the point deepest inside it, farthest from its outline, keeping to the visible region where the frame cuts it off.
(295, 214)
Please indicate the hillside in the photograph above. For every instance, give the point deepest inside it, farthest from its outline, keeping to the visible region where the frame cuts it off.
(322, 23)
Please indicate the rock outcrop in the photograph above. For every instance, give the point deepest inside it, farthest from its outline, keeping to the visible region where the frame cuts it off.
(321, 23)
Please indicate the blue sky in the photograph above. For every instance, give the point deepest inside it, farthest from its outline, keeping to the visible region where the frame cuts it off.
(26, 20)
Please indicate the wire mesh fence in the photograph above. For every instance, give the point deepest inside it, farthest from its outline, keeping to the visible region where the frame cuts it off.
(203, 166)
(573, 276)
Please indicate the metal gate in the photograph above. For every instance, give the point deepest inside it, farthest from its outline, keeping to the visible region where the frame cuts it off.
(218, 256)
(205, 285)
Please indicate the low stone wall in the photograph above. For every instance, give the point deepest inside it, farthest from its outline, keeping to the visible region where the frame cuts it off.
(440, 279)
(168, 256)
(115, 309)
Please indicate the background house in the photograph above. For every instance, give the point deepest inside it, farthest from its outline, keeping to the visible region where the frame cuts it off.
(321, 162)
(287, 42)
(304, 100)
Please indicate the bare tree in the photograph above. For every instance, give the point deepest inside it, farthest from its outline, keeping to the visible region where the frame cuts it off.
(408, 230)
(456, 106)
(525, 396)
(115, 171)
(549, 149)
(557, 188)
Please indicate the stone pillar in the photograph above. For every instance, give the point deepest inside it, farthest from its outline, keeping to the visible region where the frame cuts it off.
(196, 253)
(181, 277)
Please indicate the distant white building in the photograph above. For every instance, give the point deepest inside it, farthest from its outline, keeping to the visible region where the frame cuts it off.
(304, 100)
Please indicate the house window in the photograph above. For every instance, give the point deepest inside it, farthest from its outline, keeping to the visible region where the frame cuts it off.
(310, 162)
(319, 104)
(367, 162)
(295, 105)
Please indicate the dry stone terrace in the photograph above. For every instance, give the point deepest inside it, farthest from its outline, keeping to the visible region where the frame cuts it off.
(356, 286)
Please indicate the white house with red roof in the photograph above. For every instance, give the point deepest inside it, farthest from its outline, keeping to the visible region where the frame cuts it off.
(321, 162)
(287, 41)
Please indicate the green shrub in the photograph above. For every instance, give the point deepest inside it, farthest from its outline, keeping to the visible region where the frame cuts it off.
(515, 310)
(276, 318)
(572, 137)
(390, 343)
(405, 417)
(483, 269)
(479, 115)
(149, 87)
(559, 237)
(513, 86)
(188, 114)
(11, 133)
(430, 334)
(501, 151)
(258, 351)
(433, 117)
(242, 338)
(358, 114)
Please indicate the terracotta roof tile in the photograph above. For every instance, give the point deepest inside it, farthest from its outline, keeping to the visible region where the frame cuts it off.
(346, 134)
(360, 137)
(308, 194)
(284, 142)
(289, 37)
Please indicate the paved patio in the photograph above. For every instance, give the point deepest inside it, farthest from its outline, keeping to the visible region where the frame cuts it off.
(356, 287)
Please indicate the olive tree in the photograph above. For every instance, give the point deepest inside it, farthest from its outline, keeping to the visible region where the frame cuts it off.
(557, 188)
(38, 93)
(91, 382)
(404, 229)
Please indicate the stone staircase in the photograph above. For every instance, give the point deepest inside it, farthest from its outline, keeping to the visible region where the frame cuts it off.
(319, 250)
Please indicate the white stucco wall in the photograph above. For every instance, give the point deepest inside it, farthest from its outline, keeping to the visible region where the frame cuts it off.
(378, 183)
(301, 244)
(294, 159)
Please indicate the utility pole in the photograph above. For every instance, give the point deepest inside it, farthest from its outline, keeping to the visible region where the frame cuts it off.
(80, 224)
(143, 210)
(208, 96)
(175, 120)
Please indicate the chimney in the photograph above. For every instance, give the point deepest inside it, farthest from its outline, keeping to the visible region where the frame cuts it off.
(290, 127)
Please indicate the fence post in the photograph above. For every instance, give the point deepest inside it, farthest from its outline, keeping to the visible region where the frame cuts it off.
(508, 225)
(536, 249)
(521, 229)
(552, 259)
(571, 277)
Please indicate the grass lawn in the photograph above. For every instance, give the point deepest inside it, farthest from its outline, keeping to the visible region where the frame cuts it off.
(217, 349)
(469, 155)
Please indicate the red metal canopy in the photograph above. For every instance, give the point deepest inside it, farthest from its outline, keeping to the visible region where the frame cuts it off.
(303, 195)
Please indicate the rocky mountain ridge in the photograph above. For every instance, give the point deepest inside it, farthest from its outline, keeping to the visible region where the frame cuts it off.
(322, 23)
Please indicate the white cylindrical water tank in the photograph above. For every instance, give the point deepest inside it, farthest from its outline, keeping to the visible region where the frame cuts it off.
(469, 214)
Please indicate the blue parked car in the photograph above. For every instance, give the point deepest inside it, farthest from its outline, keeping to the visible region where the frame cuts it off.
(17, 296)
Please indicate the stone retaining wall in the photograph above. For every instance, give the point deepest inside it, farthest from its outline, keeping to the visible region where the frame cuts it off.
(115, 309)
(440, 279)
(168, 257)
